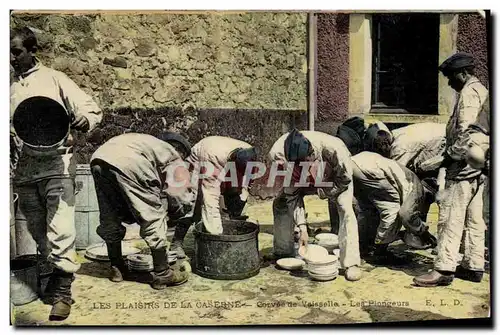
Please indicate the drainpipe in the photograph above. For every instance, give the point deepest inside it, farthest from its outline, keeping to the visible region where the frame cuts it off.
(312, 69)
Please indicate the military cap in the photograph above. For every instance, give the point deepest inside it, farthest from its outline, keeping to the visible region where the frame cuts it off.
(457, 61)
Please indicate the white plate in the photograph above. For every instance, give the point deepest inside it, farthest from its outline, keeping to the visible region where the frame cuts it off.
(329, 247)
(290, 263)
(329, 241)
(323, 278)
(327, 237)
(331, 273)
(313, 252)
(323, 260)
(140, 263)
(99, 252)
(140, 259)
(323, 269)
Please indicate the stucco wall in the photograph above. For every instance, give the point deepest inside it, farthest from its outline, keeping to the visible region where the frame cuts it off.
(333, 70)
(472, 37)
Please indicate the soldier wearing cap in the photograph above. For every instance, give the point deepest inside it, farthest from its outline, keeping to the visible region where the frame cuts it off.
(130, 173)
(210, 158)
(462, 203)
(331, 162)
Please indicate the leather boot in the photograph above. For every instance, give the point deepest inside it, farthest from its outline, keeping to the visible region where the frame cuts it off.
(381, 250)
(118, 267)
(469, 275)
(177, 244)
(62, 301)
(434, 278)
(163, 275)
(382, 256)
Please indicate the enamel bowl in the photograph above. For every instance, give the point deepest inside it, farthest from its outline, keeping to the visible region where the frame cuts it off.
(319, 277)
(313, 253)
(290, 263)
(328, 241)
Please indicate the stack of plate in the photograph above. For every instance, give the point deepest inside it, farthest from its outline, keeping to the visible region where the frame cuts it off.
(140, 263)
(99, 251)
(328, 241)
(324, 269)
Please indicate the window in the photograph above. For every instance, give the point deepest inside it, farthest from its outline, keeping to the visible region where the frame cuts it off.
(405, 63)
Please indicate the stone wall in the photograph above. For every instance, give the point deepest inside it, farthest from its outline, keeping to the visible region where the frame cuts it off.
(473, 37)
(249, 69)
(255, 60)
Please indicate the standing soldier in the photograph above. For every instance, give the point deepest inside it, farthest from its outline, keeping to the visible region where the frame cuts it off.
(478, 155)
(45, 182)
(462, 205)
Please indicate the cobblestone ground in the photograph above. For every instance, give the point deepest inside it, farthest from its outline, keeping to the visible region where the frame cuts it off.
(274, 296)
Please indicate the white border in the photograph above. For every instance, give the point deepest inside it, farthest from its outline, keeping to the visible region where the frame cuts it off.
(206, 5)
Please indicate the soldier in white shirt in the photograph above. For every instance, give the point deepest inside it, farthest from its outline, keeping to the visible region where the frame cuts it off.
(331, 158)
(45, 183)
(398, 197)
(461, 210)
(130, 172)
(209, 158)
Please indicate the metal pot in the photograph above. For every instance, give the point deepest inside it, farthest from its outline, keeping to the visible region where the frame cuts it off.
(42, 123)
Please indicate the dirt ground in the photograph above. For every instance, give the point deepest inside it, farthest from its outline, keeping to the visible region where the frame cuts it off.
(273, 296)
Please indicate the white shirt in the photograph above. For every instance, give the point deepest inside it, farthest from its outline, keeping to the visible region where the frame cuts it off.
(43, 81)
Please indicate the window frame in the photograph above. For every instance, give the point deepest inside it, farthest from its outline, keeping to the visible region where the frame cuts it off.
(361, 66)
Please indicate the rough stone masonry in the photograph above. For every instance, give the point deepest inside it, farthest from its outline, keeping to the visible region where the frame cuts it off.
(242, 75)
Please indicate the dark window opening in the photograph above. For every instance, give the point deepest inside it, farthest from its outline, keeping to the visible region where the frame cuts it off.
(405, 63)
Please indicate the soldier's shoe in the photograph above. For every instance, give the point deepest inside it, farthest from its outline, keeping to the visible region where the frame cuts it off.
(168, 277)
(118, 273)
(177, 247)
(62, 301)
(469, 275)
(433, 278)
(60, 311)
(353, 273)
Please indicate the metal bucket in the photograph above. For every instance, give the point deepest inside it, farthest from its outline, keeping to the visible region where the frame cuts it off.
(232, 255)
(86, 208)
(25, 244)
(283, 229)
(23, 280)
(43, 124)
(87, 211)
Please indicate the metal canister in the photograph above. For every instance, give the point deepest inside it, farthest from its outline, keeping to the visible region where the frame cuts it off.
(42, 124)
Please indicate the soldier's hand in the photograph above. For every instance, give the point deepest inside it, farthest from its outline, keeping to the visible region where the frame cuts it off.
(80, 123)
(304, 236)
